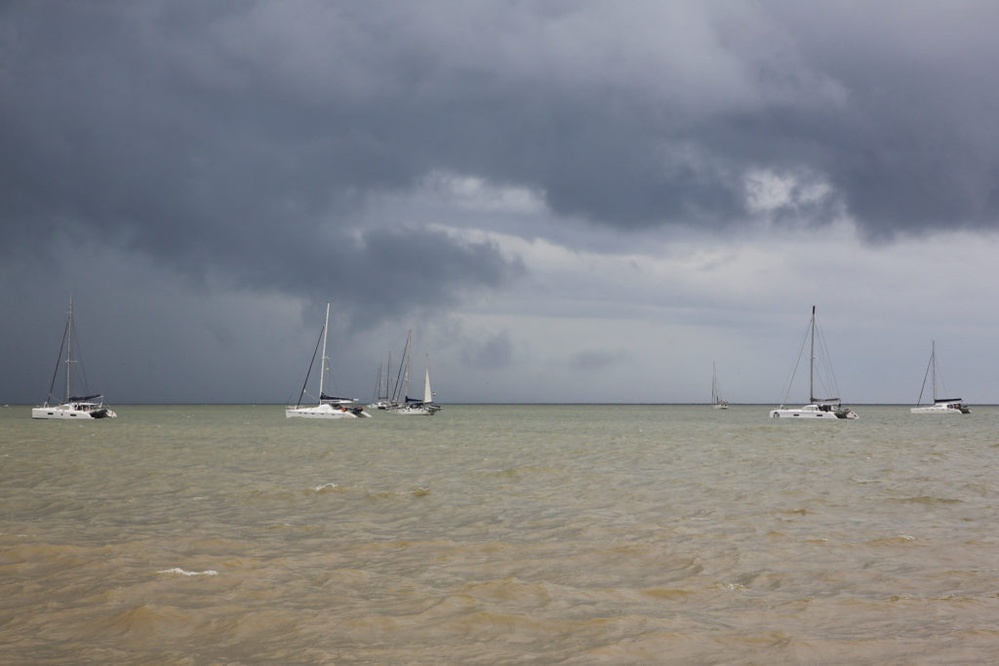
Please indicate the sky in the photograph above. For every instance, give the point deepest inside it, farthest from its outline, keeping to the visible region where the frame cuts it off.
(563, 201)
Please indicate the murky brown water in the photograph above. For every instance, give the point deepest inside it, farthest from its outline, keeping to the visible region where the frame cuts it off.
(499, 534)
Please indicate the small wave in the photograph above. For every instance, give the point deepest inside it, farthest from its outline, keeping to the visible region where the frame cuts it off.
(326, 487)
(177, 571)
(893, 540)
(927, 499)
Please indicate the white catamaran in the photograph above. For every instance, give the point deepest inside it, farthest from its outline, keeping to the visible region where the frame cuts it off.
(90, 406)
(817, 408)
(329, 407)
(940, 405)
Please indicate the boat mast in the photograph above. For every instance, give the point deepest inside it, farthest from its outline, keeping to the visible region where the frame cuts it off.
(933, 368)
(714, 384)
(811, 364)
(388, 369)
(325, 358)
(69, 347)
(402, 380)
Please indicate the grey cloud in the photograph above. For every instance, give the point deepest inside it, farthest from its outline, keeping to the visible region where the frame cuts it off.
(495, 352)
(596, 359)
(246, 137)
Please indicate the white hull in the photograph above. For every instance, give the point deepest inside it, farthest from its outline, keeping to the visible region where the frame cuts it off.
(72, 411)
(422, 410)
(942, 408)
(814, 412)
(319, 412)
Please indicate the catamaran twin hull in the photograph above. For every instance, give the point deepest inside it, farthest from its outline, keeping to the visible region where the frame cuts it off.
(943, 407)
(78, 411)
(324, 412)
(827, 412)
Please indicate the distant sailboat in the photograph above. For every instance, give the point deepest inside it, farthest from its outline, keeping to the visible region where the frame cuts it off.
(424, 407)
(817, 408)
(329, 407)
(382, 399)
(83, 407)
(716, 398)
(940, 405)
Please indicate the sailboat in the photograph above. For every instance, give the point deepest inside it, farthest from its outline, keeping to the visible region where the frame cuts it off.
(817, 408)
(382, 399)
(424, 407)
(940, 405)
(715, 395)
(329, 407)
(73, 406)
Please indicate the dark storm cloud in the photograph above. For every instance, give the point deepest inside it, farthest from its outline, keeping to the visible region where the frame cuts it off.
(247, 137)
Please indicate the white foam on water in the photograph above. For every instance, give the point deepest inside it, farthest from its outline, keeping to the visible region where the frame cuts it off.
(181, 572)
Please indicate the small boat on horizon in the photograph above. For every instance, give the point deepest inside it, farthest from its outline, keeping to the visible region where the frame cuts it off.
(424, 407)
(397, 401)
(716, 398)
(940, 405)
(86, 406)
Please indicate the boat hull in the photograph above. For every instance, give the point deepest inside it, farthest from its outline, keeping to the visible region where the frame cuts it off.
(824, 412)
(72, 412)
(942, 408)
(319, 412)
(416, 410)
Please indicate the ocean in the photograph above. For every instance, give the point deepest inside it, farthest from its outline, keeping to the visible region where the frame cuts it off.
(499, 534)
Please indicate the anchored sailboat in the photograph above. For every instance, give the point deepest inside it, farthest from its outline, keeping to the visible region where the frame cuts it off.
(329, 407)
(90, 406)
(715, 394)
(940, 405)
(817, 408)
(424, 407)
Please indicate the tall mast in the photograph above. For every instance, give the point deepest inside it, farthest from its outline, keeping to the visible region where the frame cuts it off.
(401, 386)
(388, 369)
(69, 346)
(811, 364)
(933, 367)
(714, 383)
(322, 370)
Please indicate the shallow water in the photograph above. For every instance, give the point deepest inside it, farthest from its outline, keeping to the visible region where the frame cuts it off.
(499, 534)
